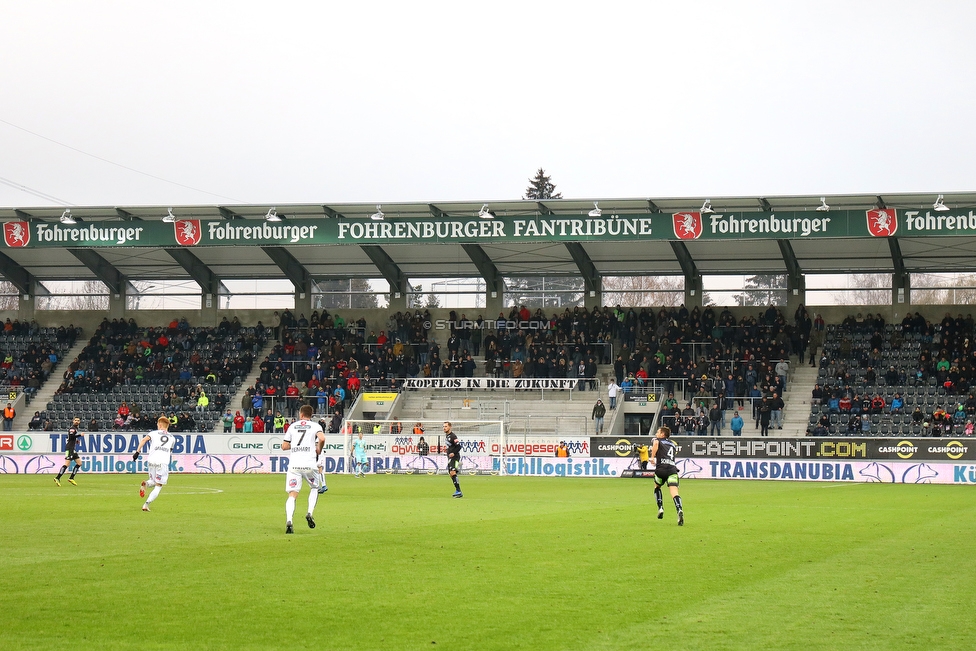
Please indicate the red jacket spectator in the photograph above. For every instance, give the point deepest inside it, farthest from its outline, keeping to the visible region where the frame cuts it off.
(258, 425)
(238, 422)
(845, 403)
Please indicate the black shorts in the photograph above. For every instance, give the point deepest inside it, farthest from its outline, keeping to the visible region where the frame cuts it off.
(666, 474)
(71, 455)
(454, 464)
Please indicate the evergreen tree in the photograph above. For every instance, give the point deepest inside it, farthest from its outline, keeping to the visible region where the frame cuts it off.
(542, 187)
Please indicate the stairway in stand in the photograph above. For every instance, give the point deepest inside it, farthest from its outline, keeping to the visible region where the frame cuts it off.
(796, 415)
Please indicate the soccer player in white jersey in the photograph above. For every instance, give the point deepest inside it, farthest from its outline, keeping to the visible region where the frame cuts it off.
(303, 441)
(160, 450)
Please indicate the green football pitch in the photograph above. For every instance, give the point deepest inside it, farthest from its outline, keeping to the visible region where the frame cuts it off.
(395, 563)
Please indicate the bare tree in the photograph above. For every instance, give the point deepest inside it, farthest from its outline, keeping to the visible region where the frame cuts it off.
(644, 291)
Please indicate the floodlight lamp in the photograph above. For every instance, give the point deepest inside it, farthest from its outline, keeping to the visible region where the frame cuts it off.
(939, 205)
(378, 216)
(596, 212)
(170, 217)
(484, 213)
(706, 208)
(823, 207)
(66, 218)
(272, 215)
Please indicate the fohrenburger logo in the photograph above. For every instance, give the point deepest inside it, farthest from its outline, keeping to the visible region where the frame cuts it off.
(16, 234)
(687, 225)
(187, 231)
(882, 222)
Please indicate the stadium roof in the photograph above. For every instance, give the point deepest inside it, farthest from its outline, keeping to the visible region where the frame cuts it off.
(905, 252)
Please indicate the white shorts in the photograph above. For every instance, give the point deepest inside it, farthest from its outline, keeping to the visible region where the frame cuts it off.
(159, 473)
(293, 480)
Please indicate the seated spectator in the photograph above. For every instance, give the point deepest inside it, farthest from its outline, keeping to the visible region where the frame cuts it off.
(877, 404)
(817, 395)
(897, 404)
(36, 422)
(845, 404)
(833, 405)
(124, 410)
(917, 416)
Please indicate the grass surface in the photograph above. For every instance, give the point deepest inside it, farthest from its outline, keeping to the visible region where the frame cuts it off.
(395, 563)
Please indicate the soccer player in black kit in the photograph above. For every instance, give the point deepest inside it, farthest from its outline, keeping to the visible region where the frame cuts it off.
(70, 454)
(453, 458)
(666, 472)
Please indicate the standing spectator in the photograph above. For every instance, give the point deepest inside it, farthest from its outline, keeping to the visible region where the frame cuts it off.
(736, 424)
(765, 413)
(715, 419)
(228, 421)
(9, 413)
(238, 422)
(782, 371)
(612, 393)
(776, 407)
(599, 411)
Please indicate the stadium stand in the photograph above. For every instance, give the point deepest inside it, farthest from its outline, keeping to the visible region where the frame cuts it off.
(155, 370)
(29, 354)
(914, 378)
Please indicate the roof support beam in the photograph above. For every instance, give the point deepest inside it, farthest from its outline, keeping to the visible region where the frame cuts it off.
(591, 277)
(201, 273)
(789, 257)
(688, 266)
(386, 266)
(487, 268)
(544, 209)
(227, 213)
(765, 205)
(693, 279)
(291, 267)
(654, 208)
(19, 277)
(901, 281)
(881, 202)
(331, 213)
(897, 260)
(102, 269)
(436, 212)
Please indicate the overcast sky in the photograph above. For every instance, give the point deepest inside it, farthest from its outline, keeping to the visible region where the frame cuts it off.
(274, 103)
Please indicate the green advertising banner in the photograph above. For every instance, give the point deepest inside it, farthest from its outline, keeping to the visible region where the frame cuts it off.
(886, 222)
